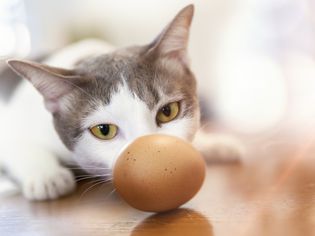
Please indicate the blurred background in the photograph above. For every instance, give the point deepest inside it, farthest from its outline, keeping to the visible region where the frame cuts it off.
(254, 59)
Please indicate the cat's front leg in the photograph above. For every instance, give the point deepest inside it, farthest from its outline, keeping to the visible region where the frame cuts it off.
(38, 172)
(219, 148)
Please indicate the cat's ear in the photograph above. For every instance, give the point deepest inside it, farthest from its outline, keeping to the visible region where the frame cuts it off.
(173, 40)
(53, 83)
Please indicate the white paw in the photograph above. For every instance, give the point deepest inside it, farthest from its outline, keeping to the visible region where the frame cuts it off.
(219, 148)
(224, 152)
(48, 184)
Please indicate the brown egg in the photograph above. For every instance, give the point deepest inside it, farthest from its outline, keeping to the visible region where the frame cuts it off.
(158, 173)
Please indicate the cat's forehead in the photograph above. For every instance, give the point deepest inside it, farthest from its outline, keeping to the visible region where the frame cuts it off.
(147, 79)
(110, 72)
(107, 66)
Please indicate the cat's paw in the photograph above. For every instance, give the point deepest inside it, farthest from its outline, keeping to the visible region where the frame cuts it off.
(49, 184)
(225, 151)
(219, 148)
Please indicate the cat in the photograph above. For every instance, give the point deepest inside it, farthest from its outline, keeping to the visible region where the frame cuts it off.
(97, 99)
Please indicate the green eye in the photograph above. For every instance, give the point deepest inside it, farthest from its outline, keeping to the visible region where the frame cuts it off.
(168, 113)
(104, 131)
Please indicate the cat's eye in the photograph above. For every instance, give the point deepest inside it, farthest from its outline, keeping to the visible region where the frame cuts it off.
(167, 113)
(104, 131)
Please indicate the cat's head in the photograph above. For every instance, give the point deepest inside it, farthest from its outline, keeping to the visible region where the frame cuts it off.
(107, 101)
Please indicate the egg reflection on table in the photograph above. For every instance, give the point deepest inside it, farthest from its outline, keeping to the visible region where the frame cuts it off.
(158, 173)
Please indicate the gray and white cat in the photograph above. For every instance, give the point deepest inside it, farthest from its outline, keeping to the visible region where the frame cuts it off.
(99, 99)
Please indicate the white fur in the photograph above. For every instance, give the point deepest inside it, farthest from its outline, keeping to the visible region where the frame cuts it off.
(133, 118)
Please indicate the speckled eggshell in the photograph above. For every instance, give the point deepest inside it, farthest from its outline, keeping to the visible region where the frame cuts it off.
(158, 173)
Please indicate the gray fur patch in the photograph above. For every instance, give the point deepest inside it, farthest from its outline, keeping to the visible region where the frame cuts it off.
(147, 77)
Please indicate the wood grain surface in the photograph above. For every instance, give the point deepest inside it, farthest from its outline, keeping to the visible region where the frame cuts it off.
(271, 192)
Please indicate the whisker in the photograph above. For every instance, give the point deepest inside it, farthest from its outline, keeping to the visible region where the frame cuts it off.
(104, 175)
(82, 168)
(91, 181)
(87, 166)
(110, 194)
(103, 200)
(83, 178)
(90, 188)
(78, 176)
(96, 179)
(92, 177)
(103, 184)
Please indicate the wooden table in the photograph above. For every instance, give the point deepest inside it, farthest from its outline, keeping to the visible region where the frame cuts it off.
(272, 192)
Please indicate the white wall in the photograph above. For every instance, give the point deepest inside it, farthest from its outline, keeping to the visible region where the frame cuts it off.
(253, 58)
